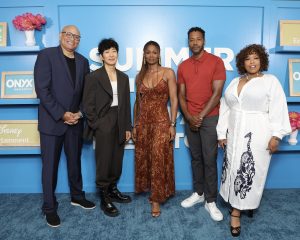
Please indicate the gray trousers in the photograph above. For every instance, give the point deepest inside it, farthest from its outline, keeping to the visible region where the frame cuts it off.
(204, 149)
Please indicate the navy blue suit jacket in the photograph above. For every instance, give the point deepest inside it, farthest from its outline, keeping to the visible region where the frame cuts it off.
(55, 89)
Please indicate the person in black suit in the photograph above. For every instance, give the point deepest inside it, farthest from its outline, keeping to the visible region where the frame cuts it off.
(59, 75)
(106, 103)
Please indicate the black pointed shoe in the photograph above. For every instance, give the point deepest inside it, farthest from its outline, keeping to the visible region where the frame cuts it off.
(116, 196)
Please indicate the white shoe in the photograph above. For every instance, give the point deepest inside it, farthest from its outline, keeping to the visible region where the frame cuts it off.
(214, 212)
(192, 200)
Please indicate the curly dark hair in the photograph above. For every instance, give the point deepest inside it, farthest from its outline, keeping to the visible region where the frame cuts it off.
(260, 50)
(106, 44)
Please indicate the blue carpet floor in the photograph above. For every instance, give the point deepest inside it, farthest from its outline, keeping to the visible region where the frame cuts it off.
(20, 218)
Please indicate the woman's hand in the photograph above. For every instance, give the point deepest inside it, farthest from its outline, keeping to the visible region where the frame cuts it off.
(128, 135)
(172, 133)
(133, 134)
(273, 144)
(222, 143)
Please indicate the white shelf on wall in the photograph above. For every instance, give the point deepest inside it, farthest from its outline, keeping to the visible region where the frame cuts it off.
(285, 147)
(20, 101)
(26, 150)
(283, 49)
(20, 150)
(293, 99)
(18, 49)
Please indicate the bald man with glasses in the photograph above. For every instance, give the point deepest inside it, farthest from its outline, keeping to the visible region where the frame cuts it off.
(59, 78)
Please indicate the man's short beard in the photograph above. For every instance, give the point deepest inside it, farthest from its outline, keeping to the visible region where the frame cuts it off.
(198, 52)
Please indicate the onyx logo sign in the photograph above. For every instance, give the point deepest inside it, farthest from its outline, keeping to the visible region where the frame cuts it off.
(17, 85)
(294, 77)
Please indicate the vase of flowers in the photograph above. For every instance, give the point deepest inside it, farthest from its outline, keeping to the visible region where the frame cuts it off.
(30, 39)
(28, 22)
(295, 125)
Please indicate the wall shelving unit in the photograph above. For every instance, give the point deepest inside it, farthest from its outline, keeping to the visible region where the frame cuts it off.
(5, 150)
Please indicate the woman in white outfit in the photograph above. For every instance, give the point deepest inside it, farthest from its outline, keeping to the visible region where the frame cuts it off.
(253, 119)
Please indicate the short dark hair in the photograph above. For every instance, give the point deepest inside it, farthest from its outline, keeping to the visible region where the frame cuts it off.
(106, 44)
(260, 50)
(196, 29)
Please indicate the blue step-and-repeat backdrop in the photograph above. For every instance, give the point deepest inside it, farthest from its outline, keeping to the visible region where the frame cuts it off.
(229, 26)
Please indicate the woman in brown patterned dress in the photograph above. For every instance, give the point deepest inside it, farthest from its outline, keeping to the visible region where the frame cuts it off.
(154, 130)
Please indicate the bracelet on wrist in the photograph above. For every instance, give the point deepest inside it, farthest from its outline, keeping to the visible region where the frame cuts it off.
(276, 138)
(173, 124)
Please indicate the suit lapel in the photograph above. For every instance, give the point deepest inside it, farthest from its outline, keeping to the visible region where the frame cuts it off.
(66, 67)
(105, 82)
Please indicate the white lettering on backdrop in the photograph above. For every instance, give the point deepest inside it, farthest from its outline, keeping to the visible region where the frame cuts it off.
(226, 54)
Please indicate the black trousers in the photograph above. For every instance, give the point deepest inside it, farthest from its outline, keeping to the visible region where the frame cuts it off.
(204, 149)
(51, 147)
(109, 152)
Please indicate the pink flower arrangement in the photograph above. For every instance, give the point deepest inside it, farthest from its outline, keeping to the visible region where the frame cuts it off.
(294, 120)
(28, 21)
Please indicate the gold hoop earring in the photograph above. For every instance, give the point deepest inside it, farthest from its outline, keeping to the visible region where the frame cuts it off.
(144, 61)
(159, 61)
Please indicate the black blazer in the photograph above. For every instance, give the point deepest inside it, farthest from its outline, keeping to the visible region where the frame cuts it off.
(56, 91)
(97, 99)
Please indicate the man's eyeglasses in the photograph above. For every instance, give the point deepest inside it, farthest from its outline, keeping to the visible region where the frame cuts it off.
(70, 35)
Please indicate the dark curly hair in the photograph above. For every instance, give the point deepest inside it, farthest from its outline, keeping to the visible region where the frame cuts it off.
(106, 44)
(260, 50)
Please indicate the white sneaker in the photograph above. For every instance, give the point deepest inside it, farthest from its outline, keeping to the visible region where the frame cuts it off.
(214, 212)
(192, 200)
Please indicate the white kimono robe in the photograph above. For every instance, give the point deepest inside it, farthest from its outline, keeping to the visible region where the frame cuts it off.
(248, 121)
